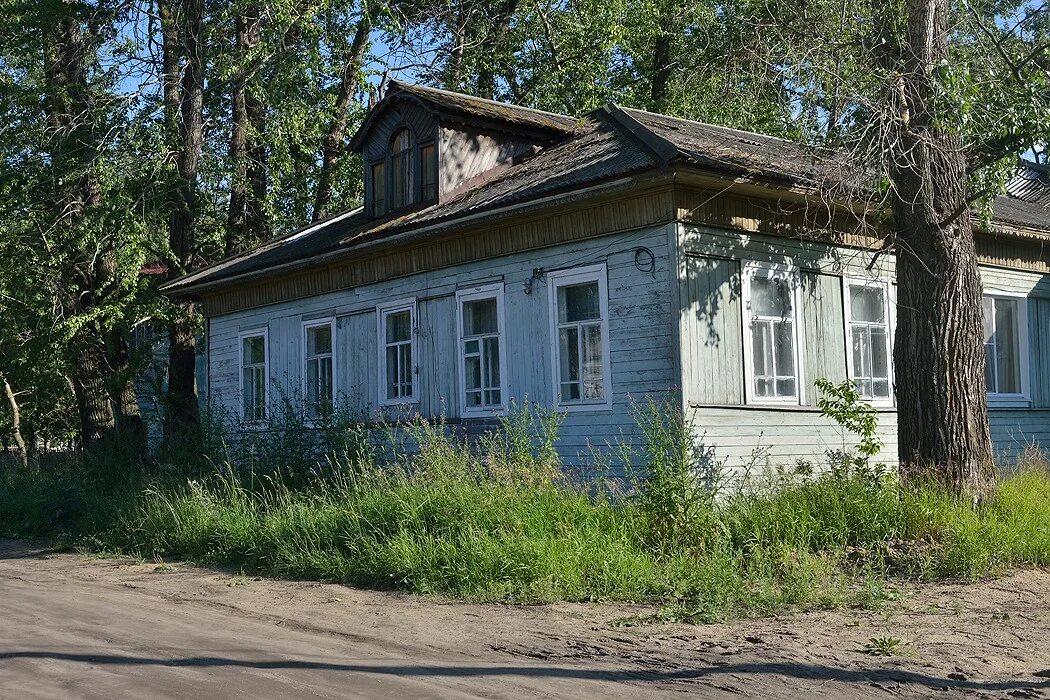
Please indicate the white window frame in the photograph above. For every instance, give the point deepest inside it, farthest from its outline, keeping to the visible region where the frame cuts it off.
(382, 311)
(891, 330)
(564, 278)
(750, 269)
(263, 333)
(307, 325)
(490, 291)
(1023, 398)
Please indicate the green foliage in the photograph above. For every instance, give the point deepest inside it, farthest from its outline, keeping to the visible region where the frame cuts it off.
(883, 646)
(445, 517)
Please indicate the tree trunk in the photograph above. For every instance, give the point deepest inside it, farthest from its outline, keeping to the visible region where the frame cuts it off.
(334, 141)
(939, 350)
(188, 36)
(16, 424)
(97, 424)
(662, 61)
(248, 187)
(124, 395)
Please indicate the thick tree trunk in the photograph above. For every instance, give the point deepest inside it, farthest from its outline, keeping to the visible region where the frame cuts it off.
(334, 140)
(939, 350)
(662, 60)
(188, 36)
(248, 187)
(16, 424)
(97, 423)
(124, 395)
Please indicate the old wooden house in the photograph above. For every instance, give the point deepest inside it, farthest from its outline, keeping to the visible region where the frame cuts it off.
(505, 255)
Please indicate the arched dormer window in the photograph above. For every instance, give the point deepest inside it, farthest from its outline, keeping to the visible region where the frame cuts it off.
(407, 173)
(400, 170)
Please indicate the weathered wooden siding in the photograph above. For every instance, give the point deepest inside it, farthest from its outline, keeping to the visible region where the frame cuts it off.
(467, 154)
(711, 348)
(642, 337)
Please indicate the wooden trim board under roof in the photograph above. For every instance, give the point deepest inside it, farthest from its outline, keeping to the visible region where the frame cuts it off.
(648, 202)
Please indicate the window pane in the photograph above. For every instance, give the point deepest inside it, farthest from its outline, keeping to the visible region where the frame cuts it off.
(761, 349)
(569, 354)
(318, 340)
(770, 297)
(579, 302)
(399, 327)
(254, 349)
(593, 369)
(1006, 350)
(880, 365)
(492, 361)
(405, 368)
(989, 368)
(428, 156)
(472, 372)
(988, 306)
(861, 352)
(398, 163)
(480, 317)
(392, 373)
(867, 304)
(784, 349)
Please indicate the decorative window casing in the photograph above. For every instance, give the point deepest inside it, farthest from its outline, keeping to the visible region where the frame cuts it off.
(1006, 348)
(254, 350)
(398, 382)
(869, 344)
(318, 367)
(772, 360)
(579, 313)
(482, 357)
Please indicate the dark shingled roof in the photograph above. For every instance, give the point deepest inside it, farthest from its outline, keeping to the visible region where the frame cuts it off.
(1031, 183)
(1018, 212)
(454, 104)
(734, 151)
(609, 144)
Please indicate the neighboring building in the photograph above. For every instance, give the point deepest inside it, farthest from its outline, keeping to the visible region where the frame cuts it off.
(505, 254)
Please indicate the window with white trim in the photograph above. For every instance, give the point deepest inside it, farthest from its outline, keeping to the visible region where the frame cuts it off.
(397, 353)
(868, 336)
(318, 367)
(580, 332)
(1005, 337)
(771, 333)
(480, 325)
(254, 375)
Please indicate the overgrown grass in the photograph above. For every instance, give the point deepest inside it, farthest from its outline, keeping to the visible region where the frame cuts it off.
(496, 521)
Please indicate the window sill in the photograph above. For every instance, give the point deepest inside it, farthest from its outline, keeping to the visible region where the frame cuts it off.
(583, 407)
(400, 402)
(794, 408)
(999, 402)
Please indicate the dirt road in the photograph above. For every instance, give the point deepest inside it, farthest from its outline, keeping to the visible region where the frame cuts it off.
(72, 626)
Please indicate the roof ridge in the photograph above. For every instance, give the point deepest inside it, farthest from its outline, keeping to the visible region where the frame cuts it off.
(409, 87)
(661, 148)
(719, 126)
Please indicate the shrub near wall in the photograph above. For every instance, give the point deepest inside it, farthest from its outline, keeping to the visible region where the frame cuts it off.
(496, 520)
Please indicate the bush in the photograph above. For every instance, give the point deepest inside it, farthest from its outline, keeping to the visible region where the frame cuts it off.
(496, 520)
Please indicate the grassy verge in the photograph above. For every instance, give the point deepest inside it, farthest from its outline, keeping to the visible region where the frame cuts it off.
(505, 527)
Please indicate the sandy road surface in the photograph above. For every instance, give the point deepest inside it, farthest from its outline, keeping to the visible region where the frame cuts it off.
(71, 626)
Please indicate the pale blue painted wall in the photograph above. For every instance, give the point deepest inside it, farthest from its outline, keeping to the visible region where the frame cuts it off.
(712, 350)
(642, 334)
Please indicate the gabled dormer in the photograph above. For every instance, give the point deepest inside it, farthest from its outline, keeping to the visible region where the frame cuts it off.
(421, 145)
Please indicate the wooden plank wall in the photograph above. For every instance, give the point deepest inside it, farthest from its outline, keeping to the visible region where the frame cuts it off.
(642, 335)
(713, 371)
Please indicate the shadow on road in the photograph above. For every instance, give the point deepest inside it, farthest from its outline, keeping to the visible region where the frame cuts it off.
(791, 670)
